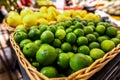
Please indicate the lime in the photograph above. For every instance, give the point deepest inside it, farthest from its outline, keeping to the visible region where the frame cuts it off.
(115, 40)
(30, 49)
(79, 25)
(84, 49)
(35, 64)
(97, 53)
(60, 27)
(107, 45)
(24, 42)
(68, 30)
(42, 27)
(90, 23)
(88, 30)
(60, 34)
(70, 54)
(118, 32)
(118, 36)
(19, 36)
(46, 55)
(111, 31)
(94, 45)
(91, 37)
(47, 37)
(96, 34)
(68, 23)
(82, 40)
(33, 27)
(21, 28)
(51, 28)
(78, 61)
(56, 43)
(72, 27)
(34, 34)
(61, 24)
(58, 51)
(66, 47)
(38, 42)
(49, 71)
(74, 49)
(90, 60)
(71, 37)
(79, 32)
(102, 38)
(63, 60)
(100, 29)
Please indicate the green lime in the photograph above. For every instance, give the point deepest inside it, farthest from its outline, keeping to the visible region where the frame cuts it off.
(88, 30)
(79, 25)
(56, 43)
(19, 36)
(68, 23)
(100, 29)
(72, 27)
(35, 64)
(60, 27)
(78, 61)
(60, 34)
(97, 53)
(74, 49)
(91, 37)
(34, 34)
(66, 47)
(90, 60)
(49, 71)
(21, 28)
(42, 27)
(94, 45)
(79, 32)
(58, 51)
(102, 38)
(24, 42)
(90, 23)
(107, 45)
(84, 49)
(118, 32)
(71, 37)
(46, 55)
(63, 60)
(111, 31)
(33, 27)
(82, 40)
(51, 28)
(38, 42)
(61, 24)
(68, 30)
(118, 36)
(47, 37)
(30, 49)
(70, 54)
(115, 40)
(96, 34)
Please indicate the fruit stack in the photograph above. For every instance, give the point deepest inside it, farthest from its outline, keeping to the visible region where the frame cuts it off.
(63, 48)
(45, 15)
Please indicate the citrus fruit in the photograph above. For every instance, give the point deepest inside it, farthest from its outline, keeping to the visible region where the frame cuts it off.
(66, 47)
(47, 37)
(118, 32)
(51, 28)
(118, 36)
(30, 49)
(19, 36)
(58, 51)
(71, 37)
(78, 61)
(68, 23)
(79, 25)
(94, 45)
(84, 49)
(90, 60)
(74, 48)
(38, 42)
(72, 27)
(70, 54)
(107, 45)
(63, 60)
(82, 40)
(34, 34)
(96, 34)
(24, 42)
(46, 55)
(21, 28)
(100, 29)
(35, 64)
(97, 53)
(60, 34)
(102, 38)
(111, 31)
(90, 23)
(79, 32)
(115, 40)
(43, 27)
(33, 27)
(91, 37)
(49, 71)
(88, 30)
(60, 27)
(56, 43)
(68, 30)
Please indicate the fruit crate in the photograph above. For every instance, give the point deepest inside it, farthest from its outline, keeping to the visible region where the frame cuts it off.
(82, 74)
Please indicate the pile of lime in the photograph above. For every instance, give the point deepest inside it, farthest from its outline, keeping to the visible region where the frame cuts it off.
(60, 49)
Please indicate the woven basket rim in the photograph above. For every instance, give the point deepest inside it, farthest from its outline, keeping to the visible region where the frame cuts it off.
(82, 74)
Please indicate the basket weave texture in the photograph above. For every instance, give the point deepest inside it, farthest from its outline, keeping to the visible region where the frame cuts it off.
(82, 74)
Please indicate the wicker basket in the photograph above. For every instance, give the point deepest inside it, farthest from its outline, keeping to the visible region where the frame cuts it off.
(82, 74)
